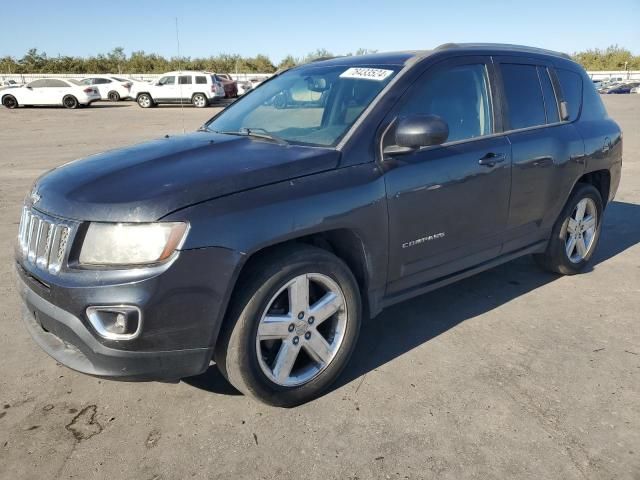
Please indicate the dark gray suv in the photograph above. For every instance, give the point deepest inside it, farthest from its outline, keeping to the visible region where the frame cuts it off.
(262, 240)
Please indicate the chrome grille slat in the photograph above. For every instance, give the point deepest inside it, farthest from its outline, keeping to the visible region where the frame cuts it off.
(43, 240)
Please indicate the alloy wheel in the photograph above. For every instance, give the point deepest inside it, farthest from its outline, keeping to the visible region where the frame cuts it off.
(144, 101)
(581, 230)
(199, 101)
(301, 330)
(10, 102)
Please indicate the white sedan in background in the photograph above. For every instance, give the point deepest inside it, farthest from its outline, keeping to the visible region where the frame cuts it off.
(111, 88)
(50, 91)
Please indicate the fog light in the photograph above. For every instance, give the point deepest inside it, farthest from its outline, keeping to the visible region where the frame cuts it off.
(121, 322)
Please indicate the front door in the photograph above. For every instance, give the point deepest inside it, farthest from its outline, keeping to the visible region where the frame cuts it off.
(448, 204)
(166, 90)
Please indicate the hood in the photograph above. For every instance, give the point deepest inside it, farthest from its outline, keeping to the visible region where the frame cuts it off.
(147, 181)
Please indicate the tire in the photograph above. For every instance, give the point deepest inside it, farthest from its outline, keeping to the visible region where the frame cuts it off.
(70, 102)
(9, 101)
(564, 255)
(199, 100)
(113, 96)
(264, 289)
(144, 100)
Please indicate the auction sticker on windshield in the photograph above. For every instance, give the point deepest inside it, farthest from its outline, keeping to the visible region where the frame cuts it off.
(377, 74)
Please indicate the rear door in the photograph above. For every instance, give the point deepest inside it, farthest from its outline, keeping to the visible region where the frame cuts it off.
(547, 151)
(448, 204)
(185, 87)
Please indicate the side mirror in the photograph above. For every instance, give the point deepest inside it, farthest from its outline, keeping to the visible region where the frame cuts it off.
(415, 131)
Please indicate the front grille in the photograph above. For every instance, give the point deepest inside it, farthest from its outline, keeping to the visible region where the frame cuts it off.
(43, 240)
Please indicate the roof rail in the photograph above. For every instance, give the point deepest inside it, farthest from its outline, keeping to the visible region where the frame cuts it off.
(322, 59)
(505, 46)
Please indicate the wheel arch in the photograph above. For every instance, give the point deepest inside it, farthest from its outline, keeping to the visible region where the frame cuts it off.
(601, 179)
(344, 243)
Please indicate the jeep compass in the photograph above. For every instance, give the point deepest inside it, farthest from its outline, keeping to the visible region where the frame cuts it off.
(337, 188)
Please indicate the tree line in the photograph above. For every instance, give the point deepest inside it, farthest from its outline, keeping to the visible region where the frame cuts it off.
(117, 61)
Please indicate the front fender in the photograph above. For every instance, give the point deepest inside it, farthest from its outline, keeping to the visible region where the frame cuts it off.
(351, 198)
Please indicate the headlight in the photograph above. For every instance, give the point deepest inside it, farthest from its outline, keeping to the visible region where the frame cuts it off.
(131, 243)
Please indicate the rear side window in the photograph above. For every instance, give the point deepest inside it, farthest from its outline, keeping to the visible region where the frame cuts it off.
(550, 102)
(184, 80)
(460, 95)
(38, 83)
(524, 95)
(201, 80)
(53, 83)
(571, 85)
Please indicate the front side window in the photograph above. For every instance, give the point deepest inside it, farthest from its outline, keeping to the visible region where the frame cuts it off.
(524, 95)
(311, 105)
(167, 81)
(184, 80)
(460, 96)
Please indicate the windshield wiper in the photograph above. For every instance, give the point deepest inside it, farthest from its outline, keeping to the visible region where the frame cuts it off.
(257, 133)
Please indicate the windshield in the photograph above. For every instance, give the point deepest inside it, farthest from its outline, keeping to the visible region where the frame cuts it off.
(311, 105)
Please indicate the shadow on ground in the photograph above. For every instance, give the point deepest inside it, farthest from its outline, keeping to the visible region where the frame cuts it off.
(405, 326)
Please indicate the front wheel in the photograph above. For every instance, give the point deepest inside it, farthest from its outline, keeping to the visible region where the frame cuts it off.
(70, 102)
(113, 96)
(145, 100)
(292, 327)
(9, 101)
(576, 233)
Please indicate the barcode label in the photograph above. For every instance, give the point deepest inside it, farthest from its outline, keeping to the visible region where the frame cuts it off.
(377, 74)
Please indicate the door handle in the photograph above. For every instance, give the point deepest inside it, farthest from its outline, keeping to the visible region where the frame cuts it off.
(491, 159)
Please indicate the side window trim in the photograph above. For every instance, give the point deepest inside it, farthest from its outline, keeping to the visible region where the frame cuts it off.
(543, 63)
(542, 71)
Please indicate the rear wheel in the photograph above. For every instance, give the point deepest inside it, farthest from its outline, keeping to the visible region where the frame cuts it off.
(575, 234)
(113, 96)
(145, 100)
(70, 102)
(199, 100)
(9, 101)
(291, 328)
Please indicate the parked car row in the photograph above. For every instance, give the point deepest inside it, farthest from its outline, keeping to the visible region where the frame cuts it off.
(198, 88)
(50, 91)
(617, 86)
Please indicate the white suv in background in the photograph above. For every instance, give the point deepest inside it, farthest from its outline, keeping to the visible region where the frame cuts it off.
(198, 88)
(110, 88)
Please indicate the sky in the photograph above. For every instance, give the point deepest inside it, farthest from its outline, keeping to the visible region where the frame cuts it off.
(277, 28)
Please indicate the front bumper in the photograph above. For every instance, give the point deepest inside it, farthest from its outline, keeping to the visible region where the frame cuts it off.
(182, 313)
